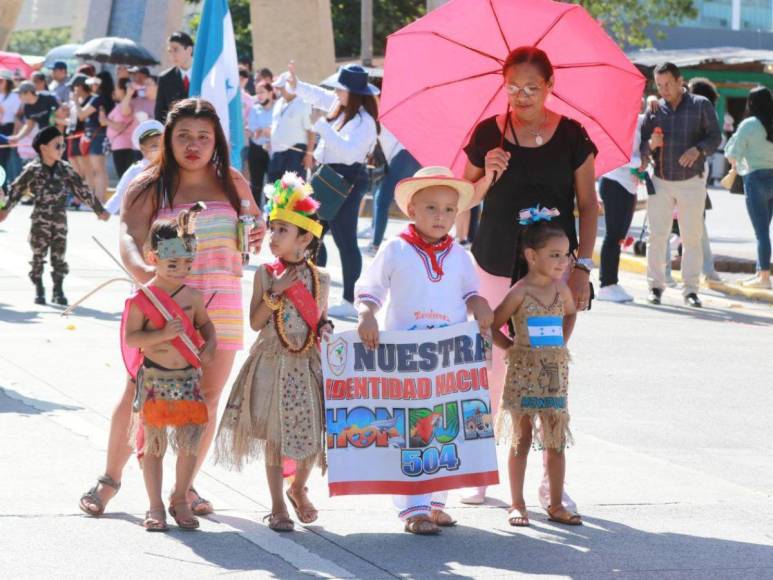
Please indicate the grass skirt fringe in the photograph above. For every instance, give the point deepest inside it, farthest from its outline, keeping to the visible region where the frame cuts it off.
(274, 411)
(536, 386)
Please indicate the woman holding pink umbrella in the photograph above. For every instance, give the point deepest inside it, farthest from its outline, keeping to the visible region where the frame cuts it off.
(530, 156)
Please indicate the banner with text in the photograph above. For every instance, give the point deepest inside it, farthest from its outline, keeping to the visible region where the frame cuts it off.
(412, 416)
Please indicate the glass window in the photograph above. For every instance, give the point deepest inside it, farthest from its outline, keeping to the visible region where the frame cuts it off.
(715, 13)
(756, 14)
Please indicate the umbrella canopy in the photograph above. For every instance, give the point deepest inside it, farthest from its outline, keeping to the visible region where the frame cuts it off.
(64, 52)
(115, 50)
(443, 75)
(13, 61)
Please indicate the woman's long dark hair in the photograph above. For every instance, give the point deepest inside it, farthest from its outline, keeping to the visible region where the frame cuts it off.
(353, 104)
(105, 90)
(8, 86)
(162, 176)
(760, 105)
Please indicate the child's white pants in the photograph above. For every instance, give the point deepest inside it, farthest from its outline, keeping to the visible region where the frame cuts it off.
(419, 505)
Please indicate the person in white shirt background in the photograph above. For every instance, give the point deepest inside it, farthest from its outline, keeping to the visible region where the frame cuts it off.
(9, 106)
(292, 140)
(347, 136)
(146, 138)
(259, 127)
(400, 165)
(618, 190)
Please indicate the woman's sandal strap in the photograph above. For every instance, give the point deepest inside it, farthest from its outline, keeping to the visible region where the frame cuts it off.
(279, 522)
(109, 481)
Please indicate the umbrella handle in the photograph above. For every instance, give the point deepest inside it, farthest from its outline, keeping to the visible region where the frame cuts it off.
(502, 141)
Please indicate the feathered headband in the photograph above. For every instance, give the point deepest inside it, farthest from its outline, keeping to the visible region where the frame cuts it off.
(532, 215)
(184, 245)
(289, 200)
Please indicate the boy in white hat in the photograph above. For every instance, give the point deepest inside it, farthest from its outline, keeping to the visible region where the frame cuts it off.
(146, 138)
(430, 281)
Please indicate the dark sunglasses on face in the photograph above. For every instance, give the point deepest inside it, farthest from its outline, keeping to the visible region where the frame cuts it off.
(60, 146)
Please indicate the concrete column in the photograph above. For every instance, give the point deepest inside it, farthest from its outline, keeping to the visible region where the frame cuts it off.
(299, 30)
(97, 19)
(9, 13)
(162, 18)
(432, 4)
(736, 15)
(366, 32)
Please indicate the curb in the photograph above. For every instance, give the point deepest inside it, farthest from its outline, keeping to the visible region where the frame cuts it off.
(637, 265)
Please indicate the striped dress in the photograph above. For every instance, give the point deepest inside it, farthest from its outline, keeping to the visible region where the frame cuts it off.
(217, 269)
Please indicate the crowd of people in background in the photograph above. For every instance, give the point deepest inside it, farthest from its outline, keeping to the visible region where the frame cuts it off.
(292, 126)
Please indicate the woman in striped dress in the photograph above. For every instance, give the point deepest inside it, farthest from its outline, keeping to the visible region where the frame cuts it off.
(192, 166)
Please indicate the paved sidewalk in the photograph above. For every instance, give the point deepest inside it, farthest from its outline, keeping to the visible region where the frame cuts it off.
(671, 467)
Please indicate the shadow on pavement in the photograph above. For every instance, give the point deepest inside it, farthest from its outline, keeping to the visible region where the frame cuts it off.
(82, 312)
(708, 314)
(9, 314)
(13, 402)
(599, 548)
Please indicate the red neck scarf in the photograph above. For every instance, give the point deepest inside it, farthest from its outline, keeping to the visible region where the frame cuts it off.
(133, 357)
(300, 296)
(413, 237)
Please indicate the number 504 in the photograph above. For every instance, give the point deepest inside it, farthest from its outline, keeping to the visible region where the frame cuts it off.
(417, 462)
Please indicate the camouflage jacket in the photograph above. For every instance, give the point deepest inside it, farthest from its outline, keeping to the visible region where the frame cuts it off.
(50, 186)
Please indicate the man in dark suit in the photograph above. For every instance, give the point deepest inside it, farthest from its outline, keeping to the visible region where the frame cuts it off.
(173, 83)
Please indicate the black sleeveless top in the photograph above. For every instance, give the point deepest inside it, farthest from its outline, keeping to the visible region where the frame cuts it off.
(536, 175)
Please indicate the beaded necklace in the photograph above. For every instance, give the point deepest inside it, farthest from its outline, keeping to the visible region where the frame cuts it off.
(279, 316)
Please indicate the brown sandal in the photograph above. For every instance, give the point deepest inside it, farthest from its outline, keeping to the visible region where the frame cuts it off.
(422, 526)
(280, 522)
(521, 520)
(183, 516)
(442, 519)
(310, 513)
(561, 515)
(201, 506)
(155, 521)
(91, 496)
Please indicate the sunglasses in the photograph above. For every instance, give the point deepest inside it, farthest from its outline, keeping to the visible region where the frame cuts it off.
(60, 146)
(528, 90)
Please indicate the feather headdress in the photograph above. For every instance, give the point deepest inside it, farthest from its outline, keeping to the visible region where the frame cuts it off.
(290, 200)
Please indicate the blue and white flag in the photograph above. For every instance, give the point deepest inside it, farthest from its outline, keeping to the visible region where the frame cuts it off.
(215, 72)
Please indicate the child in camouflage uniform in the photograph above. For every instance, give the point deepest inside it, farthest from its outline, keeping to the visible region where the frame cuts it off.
(49, 179)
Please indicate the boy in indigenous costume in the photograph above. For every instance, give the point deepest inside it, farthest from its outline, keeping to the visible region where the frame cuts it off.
(167, 335)
(430, 282)
(275, 409)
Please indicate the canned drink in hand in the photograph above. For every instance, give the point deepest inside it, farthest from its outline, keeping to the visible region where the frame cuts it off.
(245, 225)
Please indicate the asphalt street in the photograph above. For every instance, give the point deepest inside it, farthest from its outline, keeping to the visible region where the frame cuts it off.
(671, 468)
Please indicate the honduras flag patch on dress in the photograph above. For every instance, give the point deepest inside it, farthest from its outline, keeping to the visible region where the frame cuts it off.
(545, 331)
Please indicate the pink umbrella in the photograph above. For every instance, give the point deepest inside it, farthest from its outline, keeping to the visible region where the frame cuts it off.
(443, 74)
(12, 61)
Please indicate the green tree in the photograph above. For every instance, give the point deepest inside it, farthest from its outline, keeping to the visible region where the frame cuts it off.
(627, 20)
(388, 16)
(240, 15)
(38, 42)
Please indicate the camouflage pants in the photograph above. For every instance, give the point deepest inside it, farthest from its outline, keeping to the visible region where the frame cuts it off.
(48, 234)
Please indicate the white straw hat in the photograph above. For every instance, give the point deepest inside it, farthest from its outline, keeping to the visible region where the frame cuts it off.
(429, 177)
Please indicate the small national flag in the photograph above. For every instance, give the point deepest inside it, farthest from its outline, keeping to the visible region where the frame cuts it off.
(215, 72)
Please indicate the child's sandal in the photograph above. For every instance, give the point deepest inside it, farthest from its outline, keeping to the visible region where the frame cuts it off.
(306, 512)
(155, 521)
(561, 515)
(421, 526)
(442, 519)
(521, 520)
(183, 516)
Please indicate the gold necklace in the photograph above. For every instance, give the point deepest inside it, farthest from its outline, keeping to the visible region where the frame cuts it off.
(279, 321)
